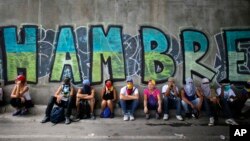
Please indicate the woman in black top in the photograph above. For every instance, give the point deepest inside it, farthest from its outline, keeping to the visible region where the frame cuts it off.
(108, 96)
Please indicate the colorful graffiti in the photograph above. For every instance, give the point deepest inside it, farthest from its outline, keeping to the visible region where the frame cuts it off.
(98, 53)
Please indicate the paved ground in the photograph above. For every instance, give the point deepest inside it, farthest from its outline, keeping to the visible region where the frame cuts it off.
(29, 128)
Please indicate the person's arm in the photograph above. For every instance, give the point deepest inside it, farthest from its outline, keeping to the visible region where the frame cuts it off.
(102, 92)
(13, 93)
(145, 103)
(201, 99)
(129, 97)
(86, 96)
(175, 89)
(167, 93)
(114, 94)
(57, 95)
(71, 91)
(183, 97)
(159, 103)
(80, 94)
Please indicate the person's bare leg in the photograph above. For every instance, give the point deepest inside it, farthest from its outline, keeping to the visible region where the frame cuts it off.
(110, 105)
(103, 105)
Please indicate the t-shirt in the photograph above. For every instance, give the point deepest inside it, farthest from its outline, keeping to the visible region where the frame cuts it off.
(65, 92)
(227, 94)
(108, 94)
(124, 91)
(164, 89)
(155, 93)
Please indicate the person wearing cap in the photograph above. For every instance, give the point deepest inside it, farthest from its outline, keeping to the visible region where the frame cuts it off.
(210, 100)
(227, 97)
(171, 98)
(85, 96)
(62, 98)
(191, 99)
(152, 100)
(108, 96)
(129, 100)
(20, 96)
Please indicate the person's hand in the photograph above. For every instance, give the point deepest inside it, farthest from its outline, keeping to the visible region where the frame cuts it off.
(22, 100)
(145, 109)
(58, 99)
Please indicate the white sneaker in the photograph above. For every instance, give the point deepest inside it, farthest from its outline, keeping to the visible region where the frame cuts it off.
(231, 121)
(131, 117)
(165, 117)
(179, 117)
(125, 117)
(211, 121)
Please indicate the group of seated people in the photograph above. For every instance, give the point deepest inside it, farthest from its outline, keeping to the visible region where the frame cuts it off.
(191, 98)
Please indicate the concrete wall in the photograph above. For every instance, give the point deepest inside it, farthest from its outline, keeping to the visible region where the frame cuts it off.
(144, 39)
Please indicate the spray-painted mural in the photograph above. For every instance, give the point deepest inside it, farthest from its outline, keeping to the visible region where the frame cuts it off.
(99, 52)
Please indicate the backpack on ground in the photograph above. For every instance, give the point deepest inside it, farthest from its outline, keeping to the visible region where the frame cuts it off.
(106, 112)
(57, 115)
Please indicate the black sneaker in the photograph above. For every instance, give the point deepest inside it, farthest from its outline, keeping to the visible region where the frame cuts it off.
(24, 112)
(45, 119)
(17, 112)
(67, 120)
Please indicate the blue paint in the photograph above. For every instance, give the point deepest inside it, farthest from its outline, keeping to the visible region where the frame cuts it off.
(152, 34)
(233, 36)
(106, 43)
(66, 42)
(194, 36)
(11, 43)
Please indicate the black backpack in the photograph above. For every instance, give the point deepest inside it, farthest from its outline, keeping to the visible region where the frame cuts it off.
(57, 115)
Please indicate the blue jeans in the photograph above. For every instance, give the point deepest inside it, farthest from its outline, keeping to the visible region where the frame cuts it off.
(129, 106)
(187, 107)
(172, 102)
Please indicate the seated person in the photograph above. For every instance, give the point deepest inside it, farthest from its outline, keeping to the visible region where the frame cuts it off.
(210, 100)
(108, 96)
(171, 98)
(227, 97)
(129, 100)
(62, 98)
(85, 96)
(152, 100)
(20, 97)
(191, 99)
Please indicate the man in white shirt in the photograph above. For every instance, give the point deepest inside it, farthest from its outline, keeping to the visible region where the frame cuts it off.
(226, 95)
(129, 100)
(171, 98)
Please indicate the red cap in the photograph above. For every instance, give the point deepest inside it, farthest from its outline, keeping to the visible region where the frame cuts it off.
(21, 78)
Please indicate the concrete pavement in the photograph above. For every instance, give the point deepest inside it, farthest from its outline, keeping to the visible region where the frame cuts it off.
(27, 128)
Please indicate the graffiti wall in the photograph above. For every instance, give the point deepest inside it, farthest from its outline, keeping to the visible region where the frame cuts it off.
(99, 52)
